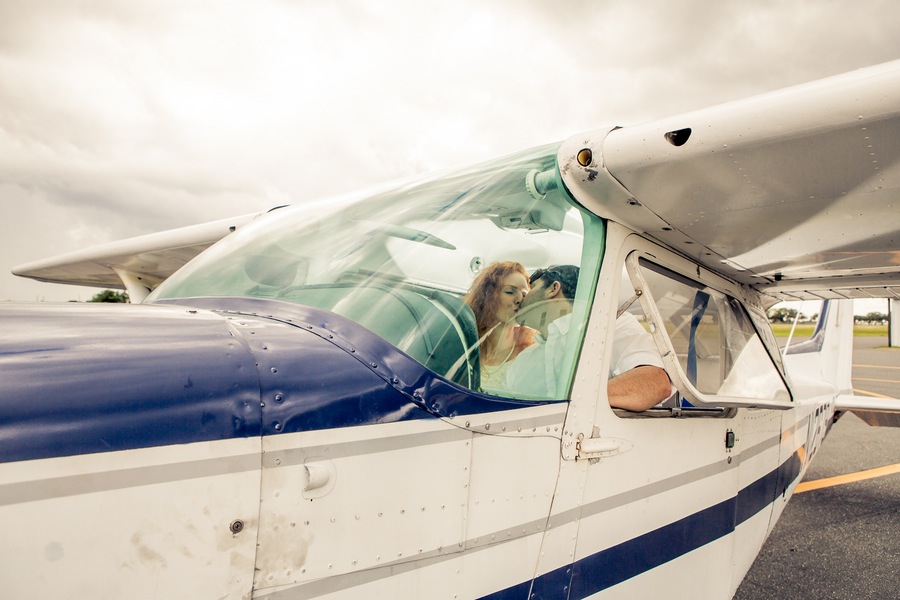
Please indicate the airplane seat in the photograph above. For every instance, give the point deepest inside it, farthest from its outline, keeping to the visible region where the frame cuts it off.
(454, 338)
(433, 327)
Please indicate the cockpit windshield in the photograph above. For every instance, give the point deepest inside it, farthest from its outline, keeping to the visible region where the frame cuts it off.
(400, 262)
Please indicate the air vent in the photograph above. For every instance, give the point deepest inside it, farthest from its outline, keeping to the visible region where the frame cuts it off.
(678, 137)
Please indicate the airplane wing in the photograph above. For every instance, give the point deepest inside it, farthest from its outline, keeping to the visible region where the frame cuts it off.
(879, 411)
(137, 264)
(794, 193)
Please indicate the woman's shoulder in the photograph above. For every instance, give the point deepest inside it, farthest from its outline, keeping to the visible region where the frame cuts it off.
(524, 336)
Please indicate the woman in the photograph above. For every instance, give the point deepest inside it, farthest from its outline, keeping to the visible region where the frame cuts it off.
(495, 297)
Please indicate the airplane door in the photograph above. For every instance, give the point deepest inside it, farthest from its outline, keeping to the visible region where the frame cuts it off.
(663, 498)
(659, 489)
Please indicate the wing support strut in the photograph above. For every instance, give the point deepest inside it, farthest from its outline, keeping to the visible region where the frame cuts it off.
(135, 287)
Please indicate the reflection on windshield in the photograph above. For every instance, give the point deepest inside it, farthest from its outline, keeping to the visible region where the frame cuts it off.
(399, 262)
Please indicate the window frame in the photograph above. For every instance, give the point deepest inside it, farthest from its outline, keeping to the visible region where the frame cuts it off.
(683, 268)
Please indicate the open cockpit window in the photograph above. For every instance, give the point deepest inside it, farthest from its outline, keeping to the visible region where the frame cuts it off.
(710, 345)
(401, 262)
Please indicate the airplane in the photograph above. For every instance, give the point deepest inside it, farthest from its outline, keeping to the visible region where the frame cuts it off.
(291, 405)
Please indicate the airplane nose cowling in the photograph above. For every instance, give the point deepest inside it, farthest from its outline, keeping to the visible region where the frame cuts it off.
(86, 378)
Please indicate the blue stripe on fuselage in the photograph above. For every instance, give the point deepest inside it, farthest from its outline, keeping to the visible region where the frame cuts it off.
(91, 378)
(619, 563)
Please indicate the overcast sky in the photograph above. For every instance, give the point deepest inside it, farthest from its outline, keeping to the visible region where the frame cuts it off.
(120, 118)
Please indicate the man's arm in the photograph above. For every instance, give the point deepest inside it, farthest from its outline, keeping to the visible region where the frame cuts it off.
(639, 389)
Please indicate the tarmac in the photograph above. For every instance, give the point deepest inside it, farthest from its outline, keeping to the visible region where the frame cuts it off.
(842, 540)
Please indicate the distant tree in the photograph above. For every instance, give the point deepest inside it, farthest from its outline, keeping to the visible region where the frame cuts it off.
(874, 317)
(782, 315)
(110, 296)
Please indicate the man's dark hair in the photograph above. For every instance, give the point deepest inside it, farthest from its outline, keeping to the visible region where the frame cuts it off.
(566, 275)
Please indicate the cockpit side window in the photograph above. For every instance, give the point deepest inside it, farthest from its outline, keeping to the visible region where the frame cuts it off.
(715, 357)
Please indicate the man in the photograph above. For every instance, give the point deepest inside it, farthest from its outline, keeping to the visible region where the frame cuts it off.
(637, 378)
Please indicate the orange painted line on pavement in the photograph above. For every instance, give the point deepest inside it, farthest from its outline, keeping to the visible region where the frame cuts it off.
(816, 484)
(879, 380)
(875, 367)
(874, 394)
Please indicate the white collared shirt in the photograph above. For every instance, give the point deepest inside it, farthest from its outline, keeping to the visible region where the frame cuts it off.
(536, 371)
